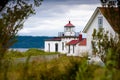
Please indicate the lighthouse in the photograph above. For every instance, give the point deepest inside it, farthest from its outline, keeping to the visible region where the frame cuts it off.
(69, 29)
(67, 42)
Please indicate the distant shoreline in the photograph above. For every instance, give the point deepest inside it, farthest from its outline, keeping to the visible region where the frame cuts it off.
(23, 49)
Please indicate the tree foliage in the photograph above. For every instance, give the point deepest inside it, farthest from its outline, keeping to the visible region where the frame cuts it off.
(3, 3)
(12, 19)
(107, 47)
(110, 3)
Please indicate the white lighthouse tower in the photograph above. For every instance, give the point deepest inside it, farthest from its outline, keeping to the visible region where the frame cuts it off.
(69, 29)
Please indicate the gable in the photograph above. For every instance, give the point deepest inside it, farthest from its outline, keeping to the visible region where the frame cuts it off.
(112, 15)
(90, 20)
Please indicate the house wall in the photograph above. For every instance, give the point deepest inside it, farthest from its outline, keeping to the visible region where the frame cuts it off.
(78, 50)
(81, 50)
(52, 46)
(94, 25)
(70, 51)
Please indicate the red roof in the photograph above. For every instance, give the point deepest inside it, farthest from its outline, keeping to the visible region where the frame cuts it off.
(69, 25)
(73, 42)
(82, 42)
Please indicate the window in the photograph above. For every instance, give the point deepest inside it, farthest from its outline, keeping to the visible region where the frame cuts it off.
(48, 47)
(100, 22)
(73, 48)
(69, 49)
(68, 29)
(62, 45)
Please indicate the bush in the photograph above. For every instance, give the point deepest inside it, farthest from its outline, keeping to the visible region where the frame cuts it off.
(63, 68)
(14, 54)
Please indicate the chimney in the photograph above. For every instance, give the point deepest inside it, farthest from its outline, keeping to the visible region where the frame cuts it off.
(69, 22)
(80, 37)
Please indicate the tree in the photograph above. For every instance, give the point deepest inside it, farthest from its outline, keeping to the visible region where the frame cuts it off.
(3, 3)
(103, 2)
(13, 15)
(106, 47)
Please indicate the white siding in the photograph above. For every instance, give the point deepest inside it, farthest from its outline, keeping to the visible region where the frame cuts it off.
(94, 25)
(52, 46)
(81, 51)
(78, 50)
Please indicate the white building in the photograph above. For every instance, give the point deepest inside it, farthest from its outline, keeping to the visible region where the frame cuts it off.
(101, 19)
(67, 42)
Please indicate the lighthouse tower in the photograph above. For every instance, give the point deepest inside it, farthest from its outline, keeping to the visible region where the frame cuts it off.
(69, 29)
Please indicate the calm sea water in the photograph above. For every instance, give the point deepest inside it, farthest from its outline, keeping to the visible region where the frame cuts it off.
(22, 49)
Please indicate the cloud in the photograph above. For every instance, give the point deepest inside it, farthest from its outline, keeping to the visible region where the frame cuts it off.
(72, 2)
(52, 15)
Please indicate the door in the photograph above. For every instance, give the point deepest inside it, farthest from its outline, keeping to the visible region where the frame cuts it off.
(56, 47)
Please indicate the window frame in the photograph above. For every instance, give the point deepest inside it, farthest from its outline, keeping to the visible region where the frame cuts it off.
(100, 22)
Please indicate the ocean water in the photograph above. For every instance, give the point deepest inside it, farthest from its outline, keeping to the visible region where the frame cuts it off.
(30, 42)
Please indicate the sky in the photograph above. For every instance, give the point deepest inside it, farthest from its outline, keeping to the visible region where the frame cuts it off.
(53, 15)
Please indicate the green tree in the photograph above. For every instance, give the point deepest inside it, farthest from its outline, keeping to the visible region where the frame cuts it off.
(106, 47)
(13, 15)
(3, 3)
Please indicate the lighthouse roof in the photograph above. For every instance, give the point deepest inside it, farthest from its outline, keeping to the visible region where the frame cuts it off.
(69, 25)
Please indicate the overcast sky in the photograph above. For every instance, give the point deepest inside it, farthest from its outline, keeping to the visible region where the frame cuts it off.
(52, 15)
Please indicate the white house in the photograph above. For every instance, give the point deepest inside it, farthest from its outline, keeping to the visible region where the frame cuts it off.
(67, 42)
(101, 19)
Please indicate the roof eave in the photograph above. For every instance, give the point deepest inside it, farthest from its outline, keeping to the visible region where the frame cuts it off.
(53, 40)
(69, 26)
(90, 20)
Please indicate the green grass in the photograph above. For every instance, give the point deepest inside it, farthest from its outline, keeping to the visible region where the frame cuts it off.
(30, 52)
